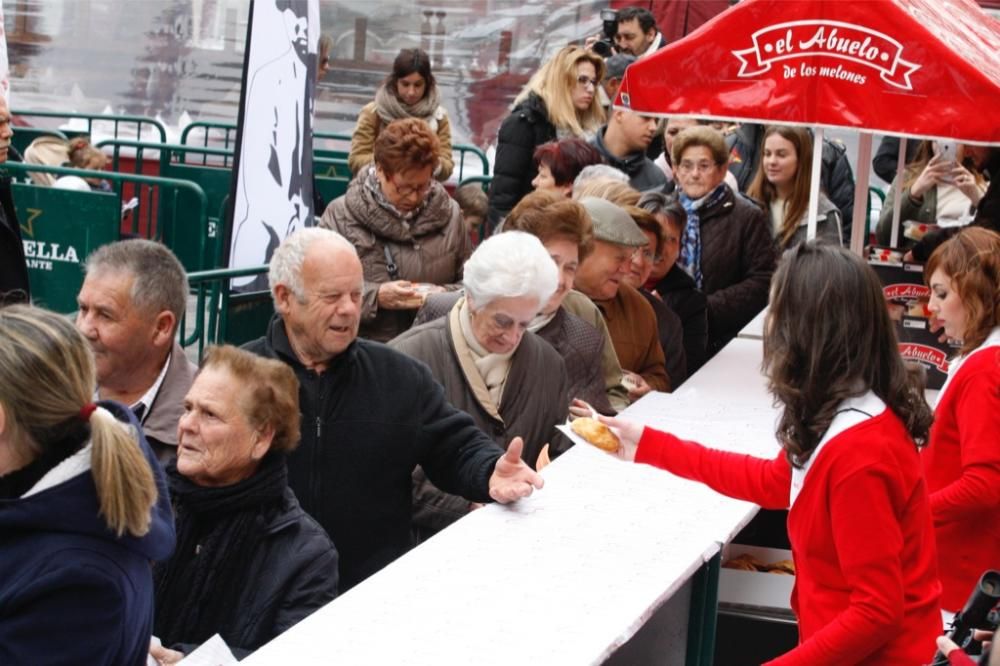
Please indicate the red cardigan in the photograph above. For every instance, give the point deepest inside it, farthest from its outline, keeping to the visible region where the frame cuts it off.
(866, 587)
(962, 468)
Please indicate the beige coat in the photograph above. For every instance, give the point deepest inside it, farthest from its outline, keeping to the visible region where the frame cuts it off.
(432, 248)
(368, 127)
(535, 399)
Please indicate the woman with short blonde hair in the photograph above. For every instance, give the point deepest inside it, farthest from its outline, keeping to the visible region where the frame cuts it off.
(559, 101)
(83, 506)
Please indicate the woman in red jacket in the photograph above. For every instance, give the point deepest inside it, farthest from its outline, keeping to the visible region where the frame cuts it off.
(867, 589)
(962, 460)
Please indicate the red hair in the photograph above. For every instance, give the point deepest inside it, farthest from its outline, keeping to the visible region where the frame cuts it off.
(567, 158)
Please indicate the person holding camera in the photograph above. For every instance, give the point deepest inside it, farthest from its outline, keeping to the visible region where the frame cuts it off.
(637, 33)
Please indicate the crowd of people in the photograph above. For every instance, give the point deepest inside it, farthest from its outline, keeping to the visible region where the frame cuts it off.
(416, 368)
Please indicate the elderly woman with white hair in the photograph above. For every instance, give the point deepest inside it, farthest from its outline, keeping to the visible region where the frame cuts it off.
(511, 382)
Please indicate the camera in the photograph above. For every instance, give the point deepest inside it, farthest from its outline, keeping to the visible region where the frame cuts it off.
(980, 612)
(605, 46)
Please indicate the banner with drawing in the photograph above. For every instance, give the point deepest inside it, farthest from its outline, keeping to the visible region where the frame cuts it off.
(272, 193)
(912, 67)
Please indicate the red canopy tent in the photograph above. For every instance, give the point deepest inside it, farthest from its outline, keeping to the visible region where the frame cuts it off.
(928, 68)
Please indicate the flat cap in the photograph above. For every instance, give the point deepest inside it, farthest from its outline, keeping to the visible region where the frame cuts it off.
(612, 224)
(614, 67)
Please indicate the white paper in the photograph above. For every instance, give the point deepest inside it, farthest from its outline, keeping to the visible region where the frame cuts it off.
(213, 652)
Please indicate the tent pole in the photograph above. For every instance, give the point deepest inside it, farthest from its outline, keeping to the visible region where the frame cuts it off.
(817, 163)
(859, 223)
(897, 191)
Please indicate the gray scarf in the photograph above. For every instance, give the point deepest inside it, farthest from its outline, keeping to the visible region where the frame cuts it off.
(390, 108)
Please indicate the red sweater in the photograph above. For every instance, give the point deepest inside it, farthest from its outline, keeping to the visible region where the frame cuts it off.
(866, 587)
(962, 468)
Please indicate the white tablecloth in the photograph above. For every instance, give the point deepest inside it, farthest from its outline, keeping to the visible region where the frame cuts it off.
(567, 575)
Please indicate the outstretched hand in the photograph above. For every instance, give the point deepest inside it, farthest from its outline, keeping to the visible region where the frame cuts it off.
(513, 479)
(629, 433)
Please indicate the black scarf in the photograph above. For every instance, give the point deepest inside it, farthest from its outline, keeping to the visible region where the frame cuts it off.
(198, 589)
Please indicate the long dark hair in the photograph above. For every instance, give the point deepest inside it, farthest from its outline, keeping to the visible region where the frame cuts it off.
(798, 203)
(828, 337)
(407, 62)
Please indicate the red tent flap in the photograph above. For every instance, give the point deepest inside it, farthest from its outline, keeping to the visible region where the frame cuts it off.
(914, 67)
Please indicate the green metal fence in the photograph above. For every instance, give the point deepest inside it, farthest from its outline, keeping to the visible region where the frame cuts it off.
(224, 317)
(61, 227)
(121, 124)
(207, 133)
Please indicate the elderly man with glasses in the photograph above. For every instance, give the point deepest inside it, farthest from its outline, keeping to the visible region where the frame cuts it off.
(408, 232)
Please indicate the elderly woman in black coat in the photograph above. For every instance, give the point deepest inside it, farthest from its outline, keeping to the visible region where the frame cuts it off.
(249, 562)
(492, 367)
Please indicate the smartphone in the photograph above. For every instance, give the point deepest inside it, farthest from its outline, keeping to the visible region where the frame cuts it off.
(947, 150)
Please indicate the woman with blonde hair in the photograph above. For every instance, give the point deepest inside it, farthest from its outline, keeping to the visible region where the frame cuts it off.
(83, 504)
(559, 101)
(782, 185)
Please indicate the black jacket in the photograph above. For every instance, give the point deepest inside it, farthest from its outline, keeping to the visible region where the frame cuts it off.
(738, 257)
(527, 127)
(367, 422)
(679, 291)
(14, 287)
(836, 177)
(886, 159)
(671, 332)
(643, 175)
(293, 571)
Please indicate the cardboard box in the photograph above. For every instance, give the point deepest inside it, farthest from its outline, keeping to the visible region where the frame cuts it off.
(760, 593)
(917, 343)
(902, 282)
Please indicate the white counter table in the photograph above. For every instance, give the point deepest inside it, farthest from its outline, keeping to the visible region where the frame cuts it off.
(568, 575)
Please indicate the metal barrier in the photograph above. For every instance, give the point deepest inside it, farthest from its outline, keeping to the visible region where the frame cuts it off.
(215, 306)
(92, 118)
(24, 136)
(226, 134)
(211, 169)
(62, 226)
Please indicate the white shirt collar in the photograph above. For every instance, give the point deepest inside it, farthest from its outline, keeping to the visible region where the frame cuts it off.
(653, 47)
(850, 413)
(149, 396)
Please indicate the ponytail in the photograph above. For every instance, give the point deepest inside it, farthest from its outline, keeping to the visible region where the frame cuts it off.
(126, 488)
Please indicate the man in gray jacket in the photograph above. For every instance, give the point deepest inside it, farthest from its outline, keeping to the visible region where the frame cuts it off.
(132, 300)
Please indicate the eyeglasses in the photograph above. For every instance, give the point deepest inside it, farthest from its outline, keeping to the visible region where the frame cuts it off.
(586, 81)
(407, 190)
(700, 167)
(646, 254)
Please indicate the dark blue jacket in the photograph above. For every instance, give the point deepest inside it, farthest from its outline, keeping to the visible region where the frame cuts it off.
(71, 591)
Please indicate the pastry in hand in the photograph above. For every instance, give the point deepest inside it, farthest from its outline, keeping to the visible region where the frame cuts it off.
(596, 433)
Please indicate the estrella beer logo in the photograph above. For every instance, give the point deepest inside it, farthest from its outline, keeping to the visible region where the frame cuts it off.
(907, 291)
(831, 39)
(913, 351)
